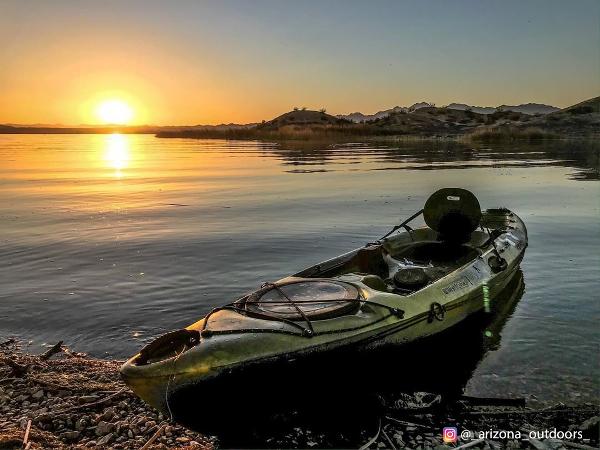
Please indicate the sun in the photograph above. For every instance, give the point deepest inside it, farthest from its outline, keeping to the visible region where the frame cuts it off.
(116, 112)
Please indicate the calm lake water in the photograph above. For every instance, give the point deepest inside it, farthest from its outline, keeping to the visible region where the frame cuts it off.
(108, 240)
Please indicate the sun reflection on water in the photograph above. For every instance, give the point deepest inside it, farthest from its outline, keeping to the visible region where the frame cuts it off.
(117, 153)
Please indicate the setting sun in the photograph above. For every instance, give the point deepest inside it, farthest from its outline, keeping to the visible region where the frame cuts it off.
(114, 112)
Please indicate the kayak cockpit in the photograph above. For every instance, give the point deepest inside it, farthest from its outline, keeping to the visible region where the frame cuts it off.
(436, 253)
(167, 346)
(402, 269)
(457, 232)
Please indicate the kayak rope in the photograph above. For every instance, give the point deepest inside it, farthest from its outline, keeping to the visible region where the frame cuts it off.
(499, 263)
(492, 235)
(403, 225)
(436, 311)
(309, 330)
(171, 379)
(207, 332)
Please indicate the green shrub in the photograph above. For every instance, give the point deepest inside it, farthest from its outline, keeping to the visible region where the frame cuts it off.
(584, 109)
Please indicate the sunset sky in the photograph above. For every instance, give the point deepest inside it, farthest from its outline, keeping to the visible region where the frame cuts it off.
(191, 62)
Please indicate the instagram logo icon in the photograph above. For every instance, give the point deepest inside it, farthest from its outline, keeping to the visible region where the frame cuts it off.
(449, 435)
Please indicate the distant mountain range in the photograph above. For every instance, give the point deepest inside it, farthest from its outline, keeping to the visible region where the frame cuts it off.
(420, 119)
(526, 108)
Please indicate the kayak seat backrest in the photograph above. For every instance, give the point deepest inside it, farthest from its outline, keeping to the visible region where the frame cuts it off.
(375, 282)
(454, 213)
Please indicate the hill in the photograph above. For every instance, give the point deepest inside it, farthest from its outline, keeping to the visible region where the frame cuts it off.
(529, 108)
(476, 109)
(590, 106)
(526, 108)
(359, 117)
(580, 119)
(302, 117)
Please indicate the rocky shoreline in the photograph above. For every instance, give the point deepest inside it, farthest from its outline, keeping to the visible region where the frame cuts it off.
(62, 399)
(68, 400)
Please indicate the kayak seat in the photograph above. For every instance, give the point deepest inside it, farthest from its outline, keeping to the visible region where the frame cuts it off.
(370, 260)
(367, 260)
(375, 282)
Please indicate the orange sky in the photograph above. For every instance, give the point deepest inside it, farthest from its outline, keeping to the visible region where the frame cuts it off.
(234, 61)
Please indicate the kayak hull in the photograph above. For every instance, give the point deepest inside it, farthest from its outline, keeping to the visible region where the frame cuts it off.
(238, 345)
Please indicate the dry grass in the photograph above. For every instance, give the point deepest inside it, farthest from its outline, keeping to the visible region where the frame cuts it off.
(510, 134)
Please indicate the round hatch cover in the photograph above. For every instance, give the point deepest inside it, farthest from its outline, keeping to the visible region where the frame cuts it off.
(316, 299)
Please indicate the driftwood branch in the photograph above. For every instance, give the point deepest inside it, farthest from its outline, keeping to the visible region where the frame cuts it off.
(153, 438)
(408, 424)
(85, 405)
(17, 369)
(51, 385)
(56, 348)
(576, 445)
(94, 404)
(387, 438)
(373, 439)
(26, 437)
(493, 401)
(520, 412)
(470, 444)
(7, 342)
(7, 380)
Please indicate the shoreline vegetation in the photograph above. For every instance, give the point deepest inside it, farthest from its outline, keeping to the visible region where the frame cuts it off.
(62, 399)
(505, 134)
(427, 122)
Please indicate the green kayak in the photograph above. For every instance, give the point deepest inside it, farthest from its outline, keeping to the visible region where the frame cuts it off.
(410, 284)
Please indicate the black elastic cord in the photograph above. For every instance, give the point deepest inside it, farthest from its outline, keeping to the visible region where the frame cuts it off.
(403, 225)
(307, 332)
(205, 332)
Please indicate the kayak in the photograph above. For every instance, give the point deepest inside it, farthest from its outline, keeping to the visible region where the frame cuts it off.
(410, 284)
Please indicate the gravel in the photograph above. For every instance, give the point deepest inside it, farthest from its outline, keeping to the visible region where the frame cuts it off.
(56, 397)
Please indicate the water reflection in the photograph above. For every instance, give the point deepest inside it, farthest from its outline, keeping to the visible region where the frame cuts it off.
(335, 397)
(116, 152)
(306, 157)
